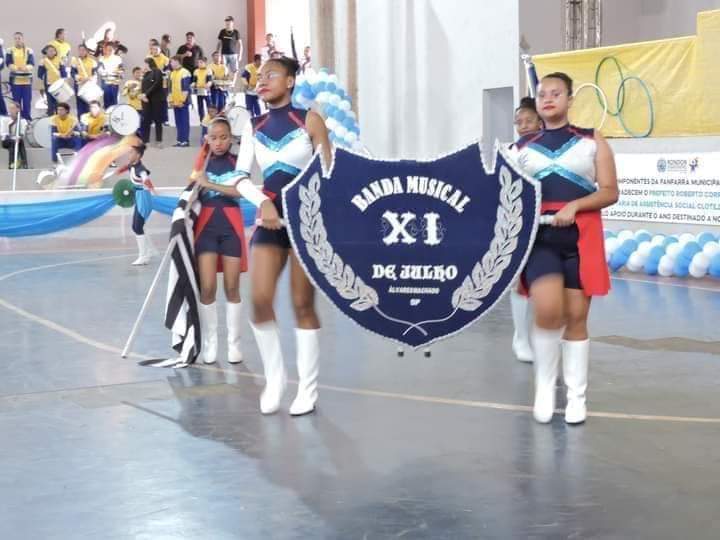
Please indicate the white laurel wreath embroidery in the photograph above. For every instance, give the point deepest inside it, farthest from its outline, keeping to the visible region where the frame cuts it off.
(467, 297)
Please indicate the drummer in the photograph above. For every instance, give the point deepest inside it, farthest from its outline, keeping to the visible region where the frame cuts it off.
(201, 84)
(110, 69)
(50, 71)
(220, 73)
(64, 130)
(250, 74)
(84, 69)
(93, 123)
(62, 47)
(132, 90)
(20, 60)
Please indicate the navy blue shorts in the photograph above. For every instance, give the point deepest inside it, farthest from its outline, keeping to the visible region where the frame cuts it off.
(263, 236)
(555, 252)
(219, 236)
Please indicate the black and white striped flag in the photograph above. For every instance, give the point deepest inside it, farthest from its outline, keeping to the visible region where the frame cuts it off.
(183, 294)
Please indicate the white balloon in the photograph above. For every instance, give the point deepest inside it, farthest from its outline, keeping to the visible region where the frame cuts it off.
(674, 249)
(686, 237)
(625, 235)
(697, 271)
(701, 261)
(657, 240)
(611, 244)
(323, 77)
(644, 248)
(351, 137)
(340, 131)
(711, 248)
(322, 97)
(665, 266)
(344, 105)
(312, 77)
(358, 146)
(635, 262)
(352, 114)
(333, 78)
(334, 99)
(331, 123)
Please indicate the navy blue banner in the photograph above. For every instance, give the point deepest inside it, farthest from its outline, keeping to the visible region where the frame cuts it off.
(413, 251)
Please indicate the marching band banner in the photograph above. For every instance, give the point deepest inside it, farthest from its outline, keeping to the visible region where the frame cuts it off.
(414, 251)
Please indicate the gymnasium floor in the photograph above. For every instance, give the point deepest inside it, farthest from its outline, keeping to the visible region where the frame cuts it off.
(95, 446)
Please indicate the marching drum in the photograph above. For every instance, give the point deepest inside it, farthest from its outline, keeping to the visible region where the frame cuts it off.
(61, 91)
(38, 133)
(90, 91)
(123, 120)
(238, 117)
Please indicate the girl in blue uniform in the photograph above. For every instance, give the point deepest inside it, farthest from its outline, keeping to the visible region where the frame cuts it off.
(144, 190)
(220, 242)
(567, 264)
(282, 142)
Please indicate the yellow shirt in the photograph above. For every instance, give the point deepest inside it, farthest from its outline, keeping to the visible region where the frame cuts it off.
(252, 69)
(176, 91)
(219, 71)
(63, 48)
(64, 126)
(201, 76)
(94, 124)
(161, 61)
(85, 67)
(20, 61)
(53, 69)
(206, 120)
(131, 91)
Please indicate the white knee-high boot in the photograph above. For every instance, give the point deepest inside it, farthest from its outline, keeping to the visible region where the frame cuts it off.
(143, 250)
(308, 354)
(546, 346)
(209, 322)
(522, 322)
(268, 340)
(575, 358)
(234, 320)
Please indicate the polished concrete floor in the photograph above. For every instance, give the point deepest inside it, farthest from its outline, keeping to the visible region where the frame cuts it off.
(97, 447)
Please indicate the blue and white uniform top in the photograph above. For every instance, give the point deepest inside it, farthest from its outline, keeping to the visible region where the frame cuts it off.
(562, 159)
(280, 143)
(140, 177)
(220, 170)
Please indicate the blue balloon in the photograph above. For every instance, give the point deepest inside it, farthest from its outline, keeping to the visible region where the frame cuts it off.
(681, 268)
(656, 254)
(628, 246)
(669, 240)
(348, 122)
(714, 269)
(339, 115)
(705, 237)
(306, 86)
(690, 249)
(320, 86)
(330, 110)
(651, 267)
(331, 87)
(618, 260)
(643, 237)
(609, 234)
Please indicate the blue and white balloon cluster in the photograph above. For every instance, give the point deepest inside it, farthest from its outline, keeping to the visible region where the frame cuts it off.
(675, 255)
(323, 92)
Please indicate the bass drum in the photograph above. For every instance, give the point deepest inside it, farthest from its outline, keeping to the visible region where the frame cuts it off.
(38, 133)
(238, 117)
(123, 120)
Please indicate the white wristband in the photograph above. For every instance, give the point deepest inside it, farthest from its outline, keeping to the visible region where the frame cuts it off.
(251, 192)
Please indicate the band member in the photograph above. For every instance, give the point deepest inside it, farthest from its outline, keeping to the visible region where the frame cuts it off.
(153, 100)
(14, 136)
(163, 64)
(84, 69)
(202, 84)
(567, 264)
(50, 71)
(132, 90)
(62, 47)
(212, 112)
(3, 107)
(230, 45)
(283, 136)
(180, 80)
(20, 60)
(93, 123)
(220, 73)
(110, 68)
(527, 120)
(144, 190)
(109, 39)
(65, 131)
(250, 74)
(219, 234)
